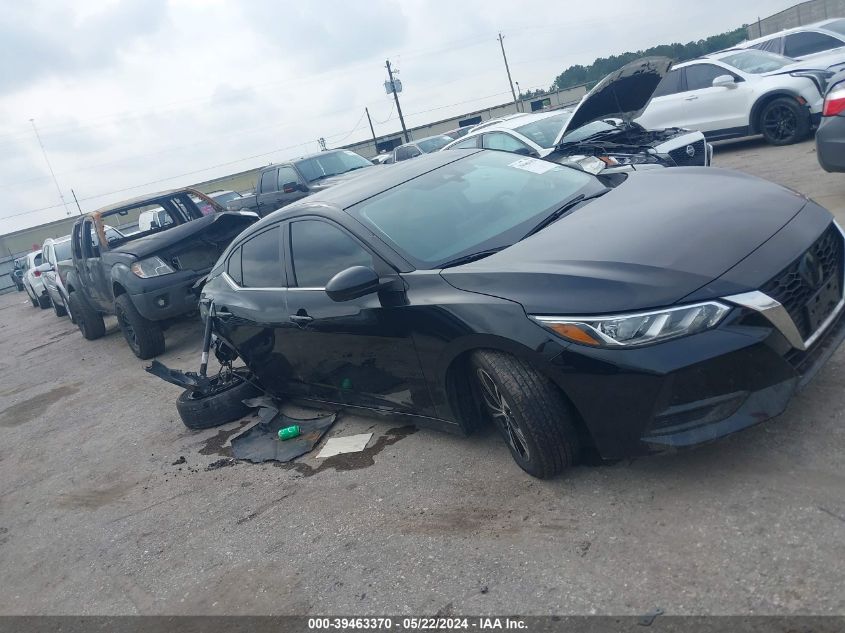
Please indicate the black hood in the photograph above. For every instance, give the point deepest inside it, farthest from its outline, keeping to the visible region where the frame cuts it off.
(650, 242)
(210, 224)
(624, 94)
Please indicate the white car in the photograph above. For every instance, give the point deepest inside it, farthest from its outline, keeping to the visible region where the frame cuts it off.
(740, 92)
(598, 135)
(33, 283)
(822, 43)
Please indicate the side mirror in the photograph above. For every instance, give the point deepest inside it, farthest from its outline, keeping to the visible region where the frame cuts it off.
(724, 81)
(352, 283)
(291, 187)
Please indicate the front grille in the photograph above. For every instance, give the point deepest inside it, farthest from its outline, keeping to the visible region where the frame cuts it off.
(792, 289)
(683, 159)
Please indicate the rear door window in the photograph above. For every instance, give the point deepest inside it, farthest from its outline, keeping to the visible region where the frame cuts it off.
(773, 45)
(809, 42)
(233, 267)
(261, 261)
(268, 181)
(406, 152)
(504, 142)
(469, 143)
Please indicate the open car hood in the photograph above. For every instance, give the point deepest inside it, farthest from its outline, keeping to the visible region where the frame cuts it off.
(623, 94)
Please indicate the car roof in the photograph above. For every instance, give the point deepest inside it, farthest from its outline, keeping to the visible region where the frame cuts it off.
(515, 122)
(314, 155)
(150, 198)
(815, 26)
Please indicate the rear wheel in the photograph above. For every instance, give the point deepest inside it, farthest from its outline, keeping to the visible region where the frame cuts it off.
(88, 320)
(59, 308)
(224, 403)
(145, 337)
(783, 122)
(44, 301)
(533, 417)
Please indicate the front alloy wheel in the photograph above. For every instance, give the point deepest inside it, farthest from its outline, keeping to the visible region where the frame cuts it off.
(500, 411)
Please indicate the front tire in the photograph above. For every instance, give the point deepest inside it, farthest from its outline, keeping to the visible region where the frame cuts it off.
(219, 407)
(783, 122)
(88, 320)
(145, 337)
(535, 420)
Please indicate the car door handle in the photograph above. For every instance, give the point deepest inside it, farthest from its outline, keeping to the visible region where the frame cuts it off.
(692, 98)
(223, 314)
(301, 319)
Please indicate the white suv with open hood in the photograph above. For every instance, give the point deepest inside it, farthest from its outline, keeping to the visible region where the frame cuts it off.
(599, 134)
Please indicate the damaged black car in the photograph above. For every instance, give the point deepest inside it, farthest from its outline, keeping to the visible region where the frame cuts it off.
(630, 313)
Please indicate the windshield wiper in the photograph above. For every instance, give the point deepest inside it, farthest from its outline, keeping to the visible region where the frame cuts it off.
(563, 210)
(466, 259)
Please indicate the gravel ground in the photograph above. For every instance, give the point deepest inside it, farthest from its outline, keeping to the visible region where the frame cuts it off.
(96, 516)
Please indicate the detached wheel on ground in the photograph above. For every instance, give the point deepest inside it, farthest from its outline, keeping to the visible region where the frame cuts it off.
(533, 417)
(784, 121)
(224, 404)
(88, 320)
(145, 337)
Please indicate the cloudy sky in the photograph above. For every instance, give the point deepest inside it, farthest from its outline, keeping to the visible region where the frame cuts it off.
(133, 96)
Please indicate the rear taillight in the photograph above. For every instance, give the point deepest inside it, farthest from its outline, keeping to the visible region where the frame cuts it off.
(37, 273)
(834, 102)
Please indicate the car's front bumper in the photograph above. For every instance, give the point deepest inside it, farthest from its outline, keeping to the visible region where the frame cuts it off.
(168, 296)
(690, 390)
(830, 143)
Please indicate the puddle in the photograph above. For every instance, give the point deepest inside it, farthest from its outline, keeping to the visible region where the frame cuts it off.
(29, 409)
(352, 461)
(214, 444)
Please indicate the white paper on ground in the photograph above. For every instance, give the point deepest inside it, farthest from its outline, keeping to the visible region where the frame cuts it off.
(348, 444)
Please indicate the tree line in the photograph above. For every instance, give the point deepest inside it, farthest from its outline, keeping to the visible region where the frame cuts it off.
(579, 74)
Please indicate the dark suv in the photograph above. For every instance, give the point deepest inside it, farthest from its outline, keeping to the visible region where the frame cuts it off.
(144, 271)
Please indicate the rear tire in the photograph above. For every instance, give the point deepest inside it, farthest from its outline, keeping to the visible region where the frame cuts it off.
(783, 122)
(535, 420)
(60, 310)
(44, 302)
(88, 320)
(224, 406)
(145, 337)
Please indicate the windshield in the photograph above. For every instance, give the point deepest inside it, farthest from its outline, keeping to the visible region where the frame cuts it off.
(545, 131)
(62, 250)
(331, 164)
(755, 62)
(435, 143)
(585, 131)
(486, 200)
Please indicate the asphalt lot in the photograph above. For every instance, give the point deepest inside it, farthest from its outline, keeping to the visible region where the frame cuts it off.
(95, 518)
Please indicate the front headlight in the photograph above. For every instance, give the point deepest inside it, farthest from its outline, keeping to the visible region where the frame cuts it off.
(633, 330)
(612, 160)
(589, 164)
(151, 267)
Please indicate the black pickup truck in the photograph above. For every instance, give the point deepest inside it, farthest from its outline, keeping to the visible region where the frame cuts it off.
(279, 185)
(144, 272)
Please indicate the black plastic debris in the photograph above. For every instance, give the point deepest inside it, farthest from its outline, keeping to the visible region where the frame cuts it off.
(186, 379)
(261, 442)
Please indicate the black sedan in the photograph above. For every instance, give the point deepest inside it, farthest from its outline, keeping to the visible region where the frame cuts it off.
(629, 312)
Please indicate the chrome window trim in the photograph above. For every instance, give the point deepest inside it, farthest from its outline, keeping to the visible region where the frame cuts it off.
(238, 288)
(779, 317)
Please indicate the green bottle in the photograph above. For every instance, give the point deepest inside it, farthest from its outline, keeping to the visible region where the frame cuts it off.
(289, 432)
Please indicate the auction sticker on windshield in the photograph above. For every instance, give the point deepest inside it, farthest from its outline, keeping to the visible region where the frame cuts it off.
(533, 165)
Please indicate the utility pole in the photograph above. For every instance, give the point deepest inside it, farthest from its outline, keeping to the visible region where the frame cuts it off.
(76, 201)
(50, 167)
(375, 143)
(510, 81)
(396, 97)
